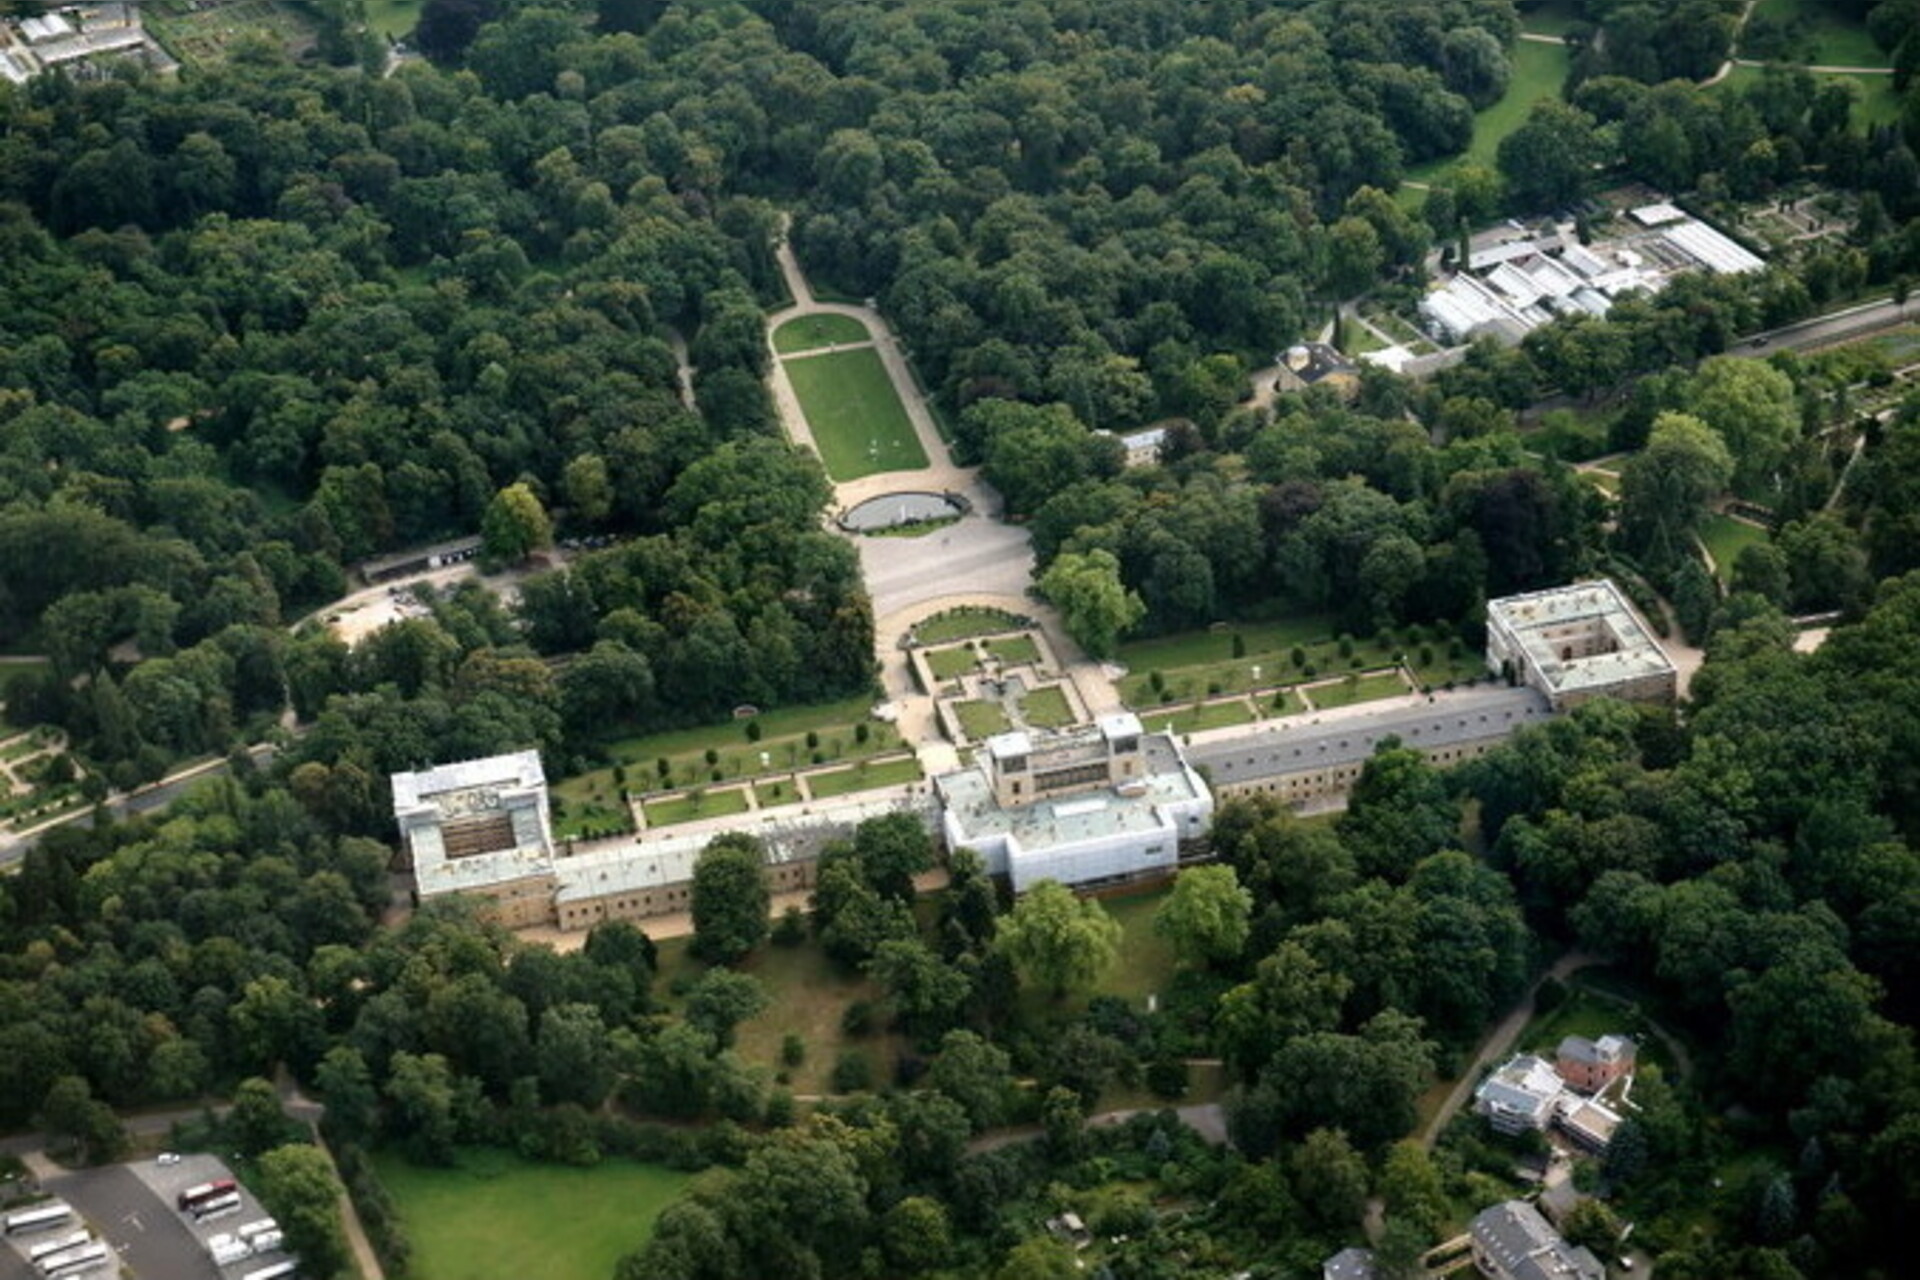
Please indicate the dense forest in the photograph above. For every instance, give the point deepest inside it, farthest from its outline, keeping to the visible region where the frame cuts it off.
(270, 317)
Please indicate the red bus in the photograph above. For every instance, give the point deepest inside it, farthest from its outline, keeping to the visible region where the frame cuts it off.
(205, 1191)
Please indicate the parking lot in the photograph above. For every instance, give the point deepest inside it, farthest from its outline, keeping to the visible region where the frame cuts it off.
(132, 1207)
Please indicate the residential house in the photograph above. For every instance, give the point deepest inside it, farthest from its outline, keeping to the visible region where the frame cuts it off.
(1592, 1065)
(1521, 1095)
(1513, 1241)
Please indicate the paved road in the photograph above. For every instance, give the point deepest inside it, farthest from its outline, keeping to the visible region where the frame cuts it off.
(1498, 1043)
(1822, 331)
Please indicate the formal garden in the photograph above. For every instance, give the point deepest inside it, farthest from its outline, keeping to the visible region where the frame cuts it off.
(811, 333)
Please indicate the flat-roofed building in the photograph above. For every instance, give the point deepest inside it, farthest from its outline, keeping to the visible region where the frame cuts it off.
(1524, 1094)
(1308, 760)
(480, 827)
(1101, 804)
(1577, 643)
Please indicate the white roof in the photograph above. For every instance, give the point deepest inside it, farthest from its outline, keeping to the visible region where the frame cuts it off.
(1582, 259)
(1711, 249)
(1657, 215)
(1005, 746)
(520, 769)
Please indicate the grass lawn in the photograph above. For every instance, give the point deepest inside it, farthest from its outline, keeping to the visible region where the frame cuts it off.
(1196, 665)
(1192, 648)
(1146, 959)
(1014, 651)
(1345, 693)
(981, 719)
(809, 994)
(770, 794)
(1206, 715)
(887, 773)
(713, 804)
(494, 1214)
(951, 664)
(783, 738)
(1726, 538)
(1877, 103)
(588, 804)
(1832, 40)
(810, 333)
(964, 624)
(1047, 708)
(857, 420)
(393, 17)
(1538, 72)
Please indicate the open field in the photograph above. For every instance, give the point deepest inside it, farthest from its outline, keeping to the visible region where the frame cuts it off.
(810, 333)
(1538, 72)
(857, 420)
(864, 777)
(1726, 538)
(494, 1214)
(1832, 41)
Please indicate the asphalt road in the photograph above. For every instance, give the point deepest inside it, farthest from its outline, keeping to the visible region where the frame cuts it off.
(1823, 330)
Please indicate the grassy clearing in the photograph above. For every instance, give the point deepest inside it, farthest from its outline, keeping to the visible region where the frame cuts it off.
(1199, 664)
(857, 420)
(1355, 689)
(1550, 17)
(1832, 40)
(1014, 651)
(864, 777)
(1726, 538)
(1146, 960)
(980, 720)
(964, 624)
(1876, 103)
(1047, 708)
(951, 664)
(589, 805)
(810, 333)
(393, 18)
(493, 1214)
(1192, 648)
(1539, 70)
(709, 804)
(809, 996)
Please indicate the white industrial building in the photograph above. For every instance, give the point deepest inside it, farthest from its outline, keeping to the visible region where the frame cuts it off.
(1513, 287)
(1102, 804)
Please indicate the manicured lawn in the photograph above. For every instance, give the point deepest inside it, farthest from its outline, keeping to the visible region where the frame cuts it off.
(1726, 538)
(1191, 648)
(712, 804)
(393, 17)
(494, 1214)
(589, 805)
(964, 624)
(783, 739)
(810, 333)
(858, 422)
(1207, 715)
(1047, 708)
(1538, 72)
(887, 773)
(1832, 41)
(1344, 693)
(770, 794)
(1014, 651)
(981, 719)
(950, 664)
